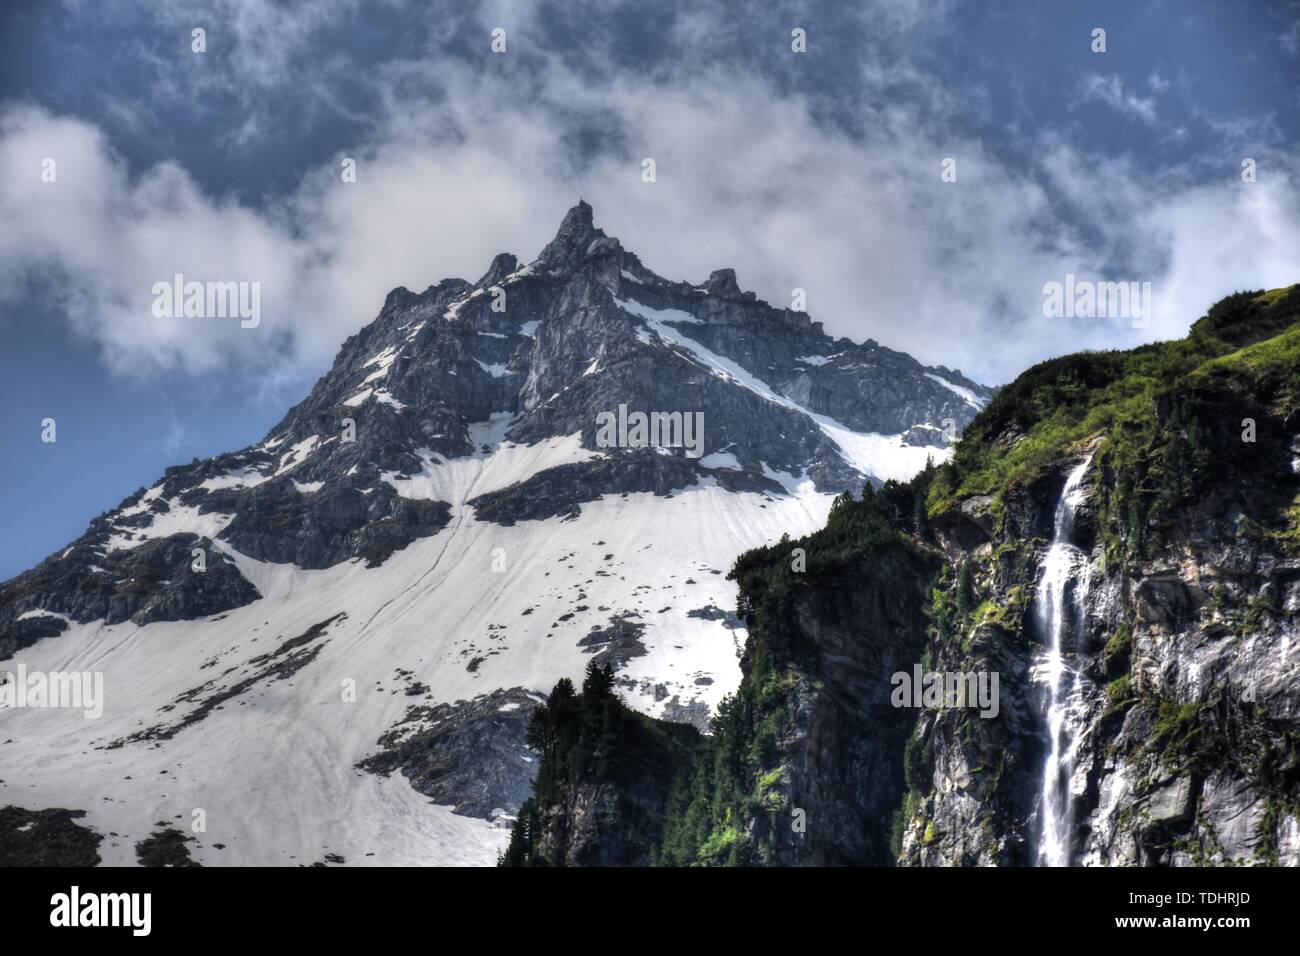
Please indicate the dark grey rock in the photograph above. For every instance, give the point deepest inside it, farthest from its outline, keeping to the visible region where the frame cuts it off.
(165, 847)
(46, 838)
(470, 754)
(153, 581)
(617, 643)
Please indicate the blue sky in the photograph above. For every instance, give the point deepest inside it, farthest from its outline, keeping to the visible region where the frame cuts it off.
(816, 170)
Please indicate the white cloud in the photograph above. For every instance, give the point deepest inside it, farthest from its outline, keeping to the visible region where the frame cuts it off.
(99, 239)
(176, 438)
(1110, 90)
(461, 164)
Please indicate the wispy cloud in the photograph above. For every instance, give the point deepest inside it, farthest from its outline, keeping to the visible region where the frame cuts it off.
(1289, 37)
(1110, 91)
(176, 438)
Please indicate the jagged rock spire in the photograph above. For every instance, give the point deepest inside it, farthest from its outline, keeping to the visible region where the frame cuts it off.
(577, 232)
(503, 264)
(722, 282)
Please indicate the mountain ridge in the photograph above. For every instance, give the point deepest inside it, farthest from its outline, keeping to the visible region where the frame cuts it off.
(421, 380)
(373, 596)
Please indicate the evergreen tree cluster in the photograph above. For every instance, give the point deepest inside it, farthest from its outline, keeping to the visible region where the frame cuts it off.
(591, 742)
(574, 735)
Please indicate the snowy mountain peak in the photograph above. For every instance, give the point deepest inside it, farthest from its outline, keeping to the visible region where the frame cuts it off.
(494, 484)
(532, 356)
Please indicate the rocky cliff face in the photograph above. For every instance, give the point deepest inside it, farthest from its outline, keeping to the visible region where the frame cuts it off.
(1177, 675)
(834, 770)
(381, 589)
(1182, 734)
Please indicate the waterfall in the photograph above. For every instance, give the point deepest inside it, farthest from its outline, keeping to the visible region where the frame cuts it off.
(1057, 607)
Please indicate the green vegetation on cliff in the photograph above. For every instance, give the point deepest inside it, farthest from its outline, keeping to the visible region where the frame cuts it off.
(1172, 414)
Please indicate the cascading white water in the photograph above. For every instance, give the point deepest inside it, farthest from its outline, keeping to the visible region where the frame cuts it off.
(1056, 614)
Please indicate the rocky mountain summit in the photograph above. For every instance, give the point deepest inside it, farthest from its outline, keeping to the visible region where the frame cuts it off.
(376, 594)
(445, 374)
